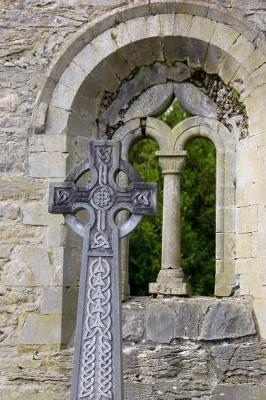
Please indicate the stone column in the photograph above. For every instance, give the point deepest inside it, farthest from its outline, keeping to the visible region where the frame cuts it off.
(170, 279)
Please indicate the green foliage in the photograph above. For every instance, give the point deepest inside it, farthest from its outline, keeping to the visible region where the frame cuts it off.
(145, 241)
(197, 215)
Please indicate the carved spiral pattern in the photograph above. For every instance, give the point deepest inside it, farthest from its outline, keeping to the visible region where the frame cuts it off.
(96, 360)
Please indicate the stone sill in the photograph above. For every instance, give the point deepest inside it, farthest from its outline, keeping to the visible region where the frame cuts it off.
(196, 319)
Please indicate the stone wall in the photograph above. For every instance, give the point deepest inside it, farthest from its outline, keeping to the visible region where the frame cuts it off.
(198, 348)
(209, 358)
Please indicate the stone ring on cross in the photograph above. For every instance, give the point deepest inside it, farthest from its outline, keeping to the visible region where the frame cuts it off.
(97, 372)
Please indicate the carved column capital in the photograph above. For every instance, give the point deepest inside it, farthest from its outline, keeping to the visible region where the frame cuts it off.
(172, 162)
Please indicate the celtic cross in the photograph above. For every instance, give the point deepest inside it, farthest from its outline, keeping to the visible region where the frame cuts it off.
(97, 372)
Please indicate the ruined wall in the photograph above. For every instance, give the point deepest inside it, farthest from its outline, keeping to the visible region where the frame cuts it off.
(32, 35)
(198, 348)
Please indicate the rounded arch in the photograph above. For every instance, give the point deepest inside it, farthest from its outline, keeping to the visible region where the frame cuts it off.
(225, 145)
(113, 47)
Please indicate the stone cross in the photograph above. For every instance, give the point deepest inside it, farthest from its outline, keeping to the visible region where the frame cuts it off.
(97, 373)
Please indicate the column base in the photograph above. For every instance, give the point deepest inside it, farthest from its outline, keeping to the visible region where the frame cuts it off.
(172, 288)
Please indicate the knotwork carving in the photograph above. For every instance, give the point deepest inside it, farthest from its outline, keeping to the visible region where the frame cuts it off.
(99, 241)
(96, 359)
(62, 196)
(102, 197)
(104, 154)
(141, 198)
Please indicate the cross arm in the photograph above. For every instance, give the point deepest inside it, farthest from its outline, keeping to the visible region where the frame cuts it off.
(144, 198)
(63, 197)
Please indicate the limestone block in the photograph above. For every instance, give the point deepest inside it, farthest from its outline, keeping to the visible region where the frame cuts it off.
(153, 25)
(63, 96)
(29, 266)
(137, 28)
(223, 36)
(59, 300)
(229, 219)
(255, 60)
(41, 329)
(246, 165)
(197, 50)
(57, 120)
(49, 143)
(247, 219)
(51, 300)
(105, 44)
(152, 102)
(242, 266)
(262, 216)
(31, 394)
(225, 271)
(258, 244)
(213, 59)
(167, 24)
(5, 251)
(120, 35)
(257, 277)
(61, 235)
(73, 76)
(133, 322)
(226, 250)
(67, 266)
(243, 245)
(242, 83)
(259, 309)
(8, 211)
(182, 25)
(241, 49)
(244, 285)
(36, 143)
(202, 28)
(254, 102)
(18, 233)
(174, 320)
(175, 48)
(97, 3)
(18, 187)
(226, 320)
(87, 58)
(257, 78)
(194, 100)
(239, 391)
(36, 213)
(228, 68)
(246, 197)
(45, 165)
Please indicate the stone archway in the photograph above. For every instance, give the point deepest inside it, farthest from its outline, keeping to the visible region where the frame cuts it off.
(172, 154)
(86, 80)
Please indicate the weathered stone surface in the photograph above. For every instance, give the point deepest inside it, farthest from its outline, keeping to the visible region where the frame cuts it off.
(28, 266)
(195, 101)
(44, 164)
(133, 321)
(41, 329)
(152, 370)
(152, 102)
(243, 392)
(36, 213)
(225, 320)
(207, 320)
